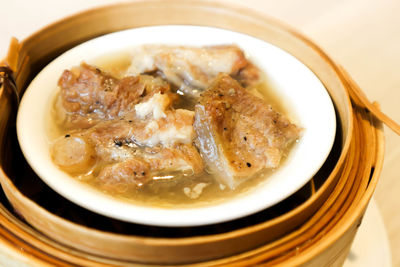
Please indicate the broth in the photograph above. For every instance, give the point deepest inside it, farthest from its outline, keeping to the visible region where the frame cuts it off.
(171, 190)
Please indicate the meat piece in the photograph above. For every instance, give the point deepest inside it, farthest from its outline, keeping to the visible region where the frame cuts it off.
(88, 95)
(123, 132)
(175, 127)
(192, 68)
(248, 76)
(139, 169)
(152, 127)
(179, 157)
(112, 144)
(120, 176)
(107, 139)
(238, 134)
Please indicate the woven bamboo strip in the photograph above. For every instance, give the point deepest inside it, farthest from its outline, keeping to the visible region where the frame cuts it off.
(33, 47)
(328, 232)
(343, 233)
(358, 190)
(361, 99)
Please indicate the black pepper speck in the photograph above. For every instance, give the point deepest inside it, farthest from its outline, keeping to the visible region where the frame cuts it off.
(118, 142)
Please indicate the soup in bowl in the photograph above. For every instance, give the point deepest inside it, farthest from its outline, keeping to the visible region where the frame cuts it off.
(176, 125)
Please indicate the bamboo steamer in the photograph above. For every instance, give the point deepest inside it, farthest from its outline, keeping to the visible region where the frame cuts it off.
(316, 232)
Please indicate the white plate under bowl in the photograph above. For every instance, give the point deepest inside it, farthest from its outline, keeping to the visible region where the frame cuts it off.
(292, 80)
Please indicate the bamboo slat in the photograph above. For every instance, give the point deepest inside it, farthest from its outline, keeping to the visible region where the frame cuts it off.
(318, 232)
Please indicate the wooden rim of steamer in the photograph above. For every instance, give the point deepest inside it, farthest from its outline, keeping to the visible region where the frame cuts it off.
(327, 220)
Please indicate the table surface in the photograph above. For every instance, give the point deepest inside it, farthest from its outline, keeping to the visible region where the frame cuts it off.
(361, 35)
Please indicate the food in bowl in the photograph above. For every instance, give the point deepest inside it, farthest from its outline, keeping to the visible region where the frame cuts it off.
(295, 91)
(182, 123)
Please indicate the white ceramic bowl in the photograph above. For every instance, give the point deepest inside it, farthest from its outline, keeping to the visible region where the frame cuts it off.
(293, 81)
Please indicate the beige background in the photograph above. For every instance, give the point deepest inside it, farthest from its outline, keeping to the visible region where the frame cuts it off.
(361, 35)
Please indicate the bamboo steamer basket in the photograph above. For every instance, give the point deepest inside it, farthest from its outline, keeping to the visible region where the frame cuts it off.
(317, 232)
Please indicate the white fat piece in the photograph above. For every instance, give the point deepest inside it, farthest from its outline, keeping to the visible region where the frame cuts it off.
(155, 106)
(169, 136)
(142, 61)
